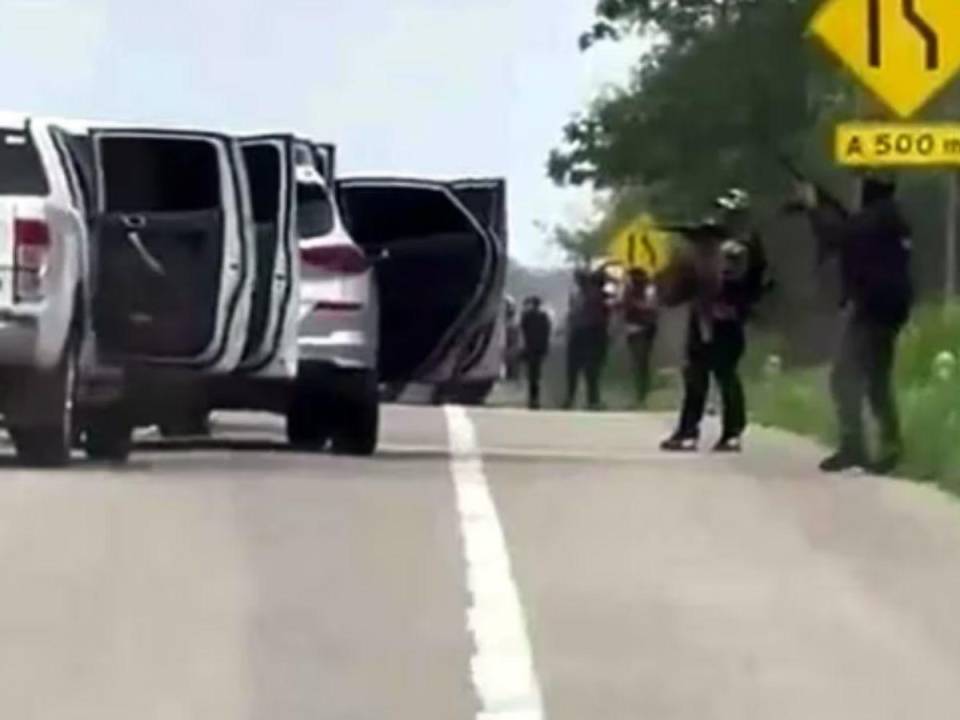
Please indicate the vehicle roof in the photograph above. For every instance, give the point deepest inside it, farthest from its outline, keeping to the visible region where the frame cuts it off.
(413, 178)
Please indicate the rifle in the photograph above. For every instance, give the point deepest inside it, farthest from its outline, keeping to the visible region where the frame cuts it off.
(698, 232)
(824, 196)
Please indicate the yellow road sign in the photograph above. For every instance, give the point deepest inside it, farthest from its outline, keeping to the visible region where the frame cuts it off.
(897, 144)
(903, 50)
(641, 245)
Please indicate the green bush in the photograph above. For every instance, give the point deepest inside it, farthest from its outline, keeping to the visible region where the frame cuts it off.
(799, 401)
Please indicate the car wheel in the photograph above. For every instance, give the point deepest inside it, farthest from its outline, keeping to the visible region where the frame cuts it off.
(49, 444)
(306, 428)
(108, 434)
(473, 393)
(358, 416)
(192, 425)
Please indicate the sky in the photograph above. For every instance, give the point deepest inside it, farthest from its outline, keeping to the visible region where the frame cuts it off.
(430, 88)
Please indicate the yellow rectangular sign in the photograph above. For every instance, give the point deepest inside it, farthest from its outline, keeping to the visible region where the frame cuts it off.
(897, 144)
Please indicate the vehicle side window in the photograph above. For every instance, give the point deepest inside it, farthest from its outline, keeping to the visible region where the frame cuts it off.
(263, 170)
(314, 210)
(21, 168)
(150, 174)
(387, 212)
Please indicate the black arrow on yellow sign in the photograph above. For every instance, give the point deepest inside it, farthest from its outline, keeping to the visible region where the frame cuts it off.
(916, 20)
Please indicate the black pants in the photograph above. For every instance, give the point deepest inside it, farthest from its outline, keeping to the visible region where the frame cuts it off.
(862, 369)
(718, 357)
(641, 342)
(586, 354)
(534, 365)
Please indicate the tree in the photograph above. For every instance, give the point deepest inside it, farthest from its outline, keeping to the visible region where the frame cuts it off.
(726, 86)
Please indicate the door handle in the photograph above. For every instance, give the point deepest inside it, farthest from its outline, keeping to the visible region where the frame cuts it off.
(149, 260)
(134, 222)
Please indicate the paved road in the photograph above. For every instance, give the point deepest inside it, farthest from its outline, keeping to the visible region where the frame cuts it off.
(239, 580)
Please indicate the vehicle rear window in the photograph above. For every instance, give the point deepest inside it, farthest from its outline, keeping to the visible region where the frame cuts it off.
(392, 212)
(314, 211)
(21, 169)
(143, 174)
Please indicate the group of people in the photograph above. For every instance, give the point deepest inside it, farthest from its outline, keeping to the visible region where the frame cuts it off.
(588, 321)
(723, 277)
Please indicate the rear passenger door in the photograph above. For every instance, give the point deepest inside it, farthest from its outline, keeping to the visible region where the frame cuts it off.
(271, 348)
(172, 266)
(482, 355)
(435, 266)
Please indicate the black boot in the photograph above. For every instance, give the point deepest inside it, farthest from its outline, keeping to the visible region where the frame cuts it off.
(888, 461)
(729, 444)
(844, 459)
(680, 442)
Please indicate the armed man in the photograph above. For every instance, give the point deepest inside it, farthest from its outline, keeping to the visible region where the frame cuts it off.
(728, 277)
(874, 249)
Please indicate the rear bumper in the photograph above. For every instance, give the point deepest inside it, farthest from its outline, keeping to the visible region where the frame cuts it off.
(336, 339)
(20, 341)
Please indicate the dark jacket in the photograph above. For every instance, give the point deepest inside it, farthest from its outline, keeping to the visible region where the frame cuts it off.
(873, 247)
(536, 328)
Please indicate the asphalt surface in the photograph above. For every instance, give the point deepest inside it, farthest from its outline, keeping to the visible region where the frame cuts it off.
(236, 579)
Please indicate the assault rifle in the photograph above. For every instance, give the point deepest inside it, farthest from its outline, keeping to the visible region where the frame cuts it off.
(825, 198)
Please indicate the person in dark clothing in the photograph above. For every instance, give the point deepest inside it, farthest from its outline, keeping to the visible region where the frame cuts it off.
(536, 329)
(587, 336)
(874, 248)
(731, 278)
(640, 316)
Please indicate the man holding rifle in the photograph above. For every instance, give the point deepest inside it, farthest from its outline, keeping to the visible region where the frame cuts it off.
(727, 278)
(873, 247)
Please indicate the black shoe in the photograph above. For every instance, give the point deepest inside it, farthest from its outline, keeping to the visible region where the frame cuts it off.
(732, 444)
(680, 443)
(886, 463)
(843, 460)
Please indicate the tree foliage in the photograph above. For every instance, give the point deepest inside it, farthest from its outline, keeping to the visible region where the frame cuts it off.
(726, 86)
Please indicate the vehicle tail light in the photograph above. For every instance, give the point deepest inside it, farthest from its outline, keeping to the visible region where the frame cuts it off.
(345, 259)
(31, 242)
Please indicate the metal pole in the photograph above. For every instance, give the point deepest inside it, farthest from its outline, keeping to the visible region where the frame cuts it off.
(950, 236)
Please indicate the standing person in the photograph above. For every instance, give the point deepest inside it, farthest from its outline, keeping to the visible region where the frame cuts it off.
(640, 316)
(536, 328)
(874, 250)
(587, 336)
(513, 340)
(731, 278)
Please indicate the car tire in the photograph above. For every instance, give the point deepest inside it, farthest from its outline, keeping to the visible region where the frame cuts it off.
(358, 416)
(306, 427)
(108, 434)
(50, 444)
(473, 393)
(193, 425)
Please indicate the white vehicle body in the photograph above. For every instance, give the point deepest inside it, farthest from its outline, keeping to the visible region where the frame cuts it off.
(35, 322)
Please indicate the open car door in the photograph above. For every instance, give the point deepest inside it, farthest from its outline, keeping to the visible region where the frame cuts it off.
(172, 261)
(271, 347)
(481, 361)
(437, 267)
